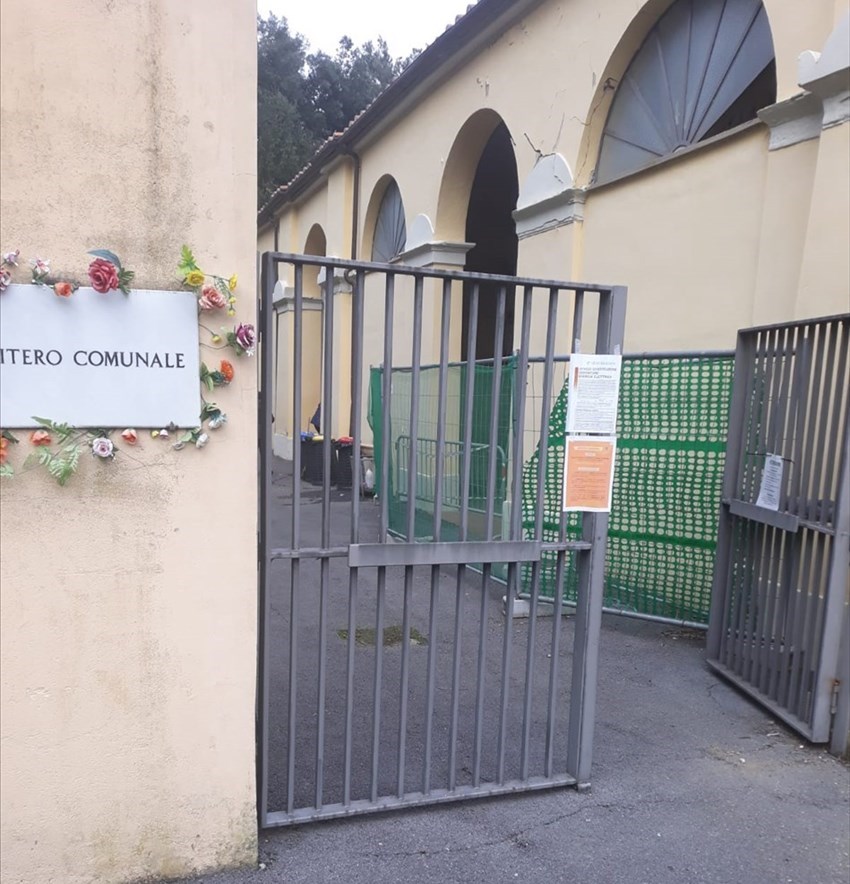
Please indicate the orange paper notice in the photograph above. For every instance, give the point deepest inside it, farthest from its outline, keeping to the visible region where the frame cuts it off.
(589, 474)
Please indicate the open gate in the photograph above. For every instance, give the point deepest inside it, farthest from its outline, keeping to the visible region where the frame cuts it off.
(390, 674)
(782, 574)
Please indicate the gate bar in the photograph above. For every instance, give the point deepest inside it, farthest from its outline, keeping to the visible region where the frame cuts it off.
(356, 407)
(445, 319)
(295, 565)
(542, 462)
(466, 469)
(591, 577)
(411, 527)
(389, 298)
(417, 799)
(495, 383)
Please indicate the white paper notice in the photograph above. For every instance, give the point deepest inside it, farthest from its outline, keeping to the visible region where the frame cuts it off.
(771, 482)
(594, 393)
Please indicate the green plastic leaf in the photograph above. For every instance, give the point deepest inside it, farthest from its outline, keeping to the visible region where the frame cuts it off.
(187, 259)
(109, 256)
(6, 471)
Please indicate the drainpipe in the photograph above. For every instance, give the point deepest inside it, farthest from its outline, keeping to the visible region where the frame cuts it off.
(355, 213)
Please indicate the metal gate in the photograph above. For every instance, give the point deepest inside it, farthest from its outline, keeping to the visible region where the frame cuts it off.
(390, 675)
(782, 575)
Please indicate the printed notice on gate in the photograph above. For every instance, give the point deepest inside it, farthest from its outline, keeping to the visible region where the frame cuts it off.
(771, 482)
(593, 394)
(589, 474)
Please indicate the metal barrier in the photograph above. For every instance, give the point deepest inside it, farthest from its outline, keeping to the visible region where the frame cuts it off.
(427, 455)
(388, 676)
(780, 620)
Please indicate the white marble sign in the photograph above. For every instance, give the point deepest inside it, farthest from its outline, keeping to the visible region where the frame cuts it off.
(98, 360)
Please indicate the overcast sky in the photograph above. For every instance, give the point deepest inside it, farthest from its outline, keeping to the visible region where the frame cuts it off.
(402, 24)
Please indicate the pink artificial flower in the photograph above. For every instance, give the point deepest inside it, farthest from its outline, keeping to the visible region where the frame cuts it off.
(103, 275)
(102, 447)
(130, 436)
(211, 298)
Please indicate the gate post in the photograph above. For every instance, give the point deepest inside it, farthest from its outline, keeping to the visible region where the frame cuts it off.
(591, 581)
(266, 347)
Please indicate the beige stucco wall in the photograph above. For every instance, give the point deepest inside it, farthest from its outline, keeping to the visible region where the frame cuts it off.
(129, 596)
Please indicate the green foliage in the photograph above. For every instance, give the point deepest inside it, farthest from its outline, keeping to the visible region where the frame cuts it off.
(6, 471)
(61, 431)
(304, 98)
(61, 464)
(107, 255)
(187, 261)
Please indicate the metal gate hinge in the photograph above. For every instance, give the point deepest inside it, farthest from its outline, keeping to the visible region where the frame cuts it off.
(833, 700)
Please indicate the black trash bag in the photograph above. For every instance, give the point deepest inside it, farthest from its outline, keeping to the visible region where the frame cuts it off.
(316, 419)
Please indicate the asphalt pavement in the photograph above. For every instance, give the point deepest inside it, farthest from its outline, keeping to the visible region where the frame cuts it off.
(691, 781)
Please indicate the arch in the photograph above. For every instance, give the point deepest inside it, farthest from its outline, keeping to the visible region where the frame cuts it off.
(315, 244)
(459, 173)
(385, 229)
(682, 72)
(491, 229)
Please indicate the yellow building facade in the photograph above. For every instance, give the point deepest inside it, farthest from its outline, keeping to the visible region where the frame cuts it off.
(512, 144)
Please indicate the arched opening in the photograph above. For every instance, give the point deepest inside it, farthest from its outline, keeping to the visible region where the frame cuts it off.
(490, 226)
(384, 225)
(390, 228)
(704, 66)
(316, 244)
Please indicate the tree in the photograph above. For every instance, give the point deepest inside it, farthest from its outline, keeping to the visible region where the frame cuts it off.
(302, 99)
(339, 88)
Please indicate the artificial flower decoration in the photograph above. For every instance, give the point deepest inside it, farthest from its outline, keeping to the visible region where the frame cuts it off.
(8, 261)
(40, 270)
(214, 292)
(102, 447)
(212, 298)
(64, 289)
(243, 339)
(217, 378)
(106, 274)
